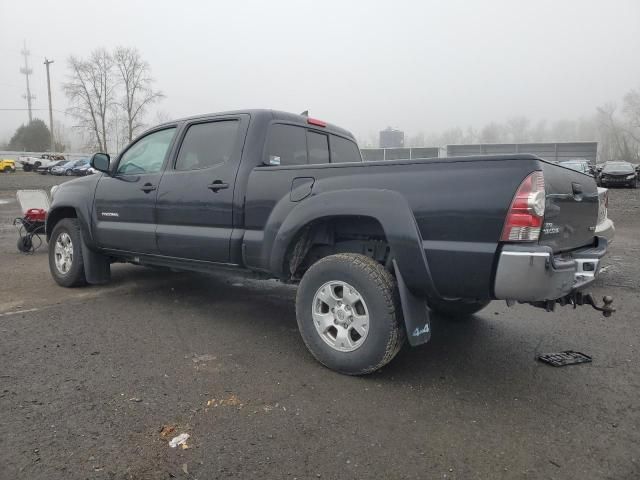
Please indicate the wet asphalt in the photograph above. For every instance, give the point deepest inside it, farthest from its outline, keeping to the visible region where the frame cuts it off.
(95, 382)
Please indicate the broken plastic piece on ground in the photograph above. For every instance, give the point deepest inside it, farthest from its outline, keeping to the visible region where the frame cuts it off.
(179, 440)
(561, 359)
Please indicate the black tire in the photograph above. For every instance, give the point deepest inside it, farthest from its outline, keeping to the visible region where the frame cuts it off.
(68, 173)
(25, 244)
(74, 277)
(7, 169)
(378, 289)
(457, 309)
(27, 168)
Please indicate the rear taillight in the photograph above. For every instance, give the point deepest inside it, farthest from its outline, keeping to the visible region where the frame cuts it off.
(526, 213)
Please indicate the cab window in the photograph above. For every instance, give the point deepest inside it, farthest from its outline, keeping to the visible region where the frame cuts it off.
(286, 145)
(343, 150)
(318, 145)
(207, 144)
(147, 154)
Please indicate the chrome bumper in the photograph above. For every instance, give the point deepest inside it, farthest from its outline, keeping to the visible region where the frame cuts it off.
(534, 273)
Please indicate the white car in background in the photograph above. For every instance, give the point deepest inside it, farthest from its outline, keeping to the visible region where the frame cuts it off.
(45, 160)
(605, 227)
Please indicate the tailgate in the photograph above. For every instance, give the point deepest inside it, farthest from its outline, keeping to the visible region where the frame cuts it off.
(571, 212)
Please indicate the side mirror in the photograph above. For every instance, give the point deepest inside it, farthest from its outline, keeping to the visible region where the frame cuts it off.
(101, 161)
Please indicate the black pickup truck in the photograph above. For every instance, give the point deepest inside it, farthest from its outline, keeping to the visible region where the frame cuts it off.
(376, 248)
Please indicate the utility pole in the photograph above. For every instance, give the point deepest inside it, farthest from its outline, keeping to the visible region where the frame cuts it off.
(26, 71)
(53, 143)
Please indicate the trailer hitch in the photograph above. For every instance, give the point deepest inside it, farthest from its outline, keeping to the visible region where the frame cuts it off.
(607, 307)
(578, 299)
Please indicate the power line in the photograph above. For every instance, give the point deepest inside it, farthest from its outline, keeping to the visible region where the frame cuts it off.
(33, 109)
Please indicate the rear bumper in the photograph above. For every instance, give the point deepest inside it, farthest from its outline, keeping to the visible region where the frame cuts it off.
(534, 273)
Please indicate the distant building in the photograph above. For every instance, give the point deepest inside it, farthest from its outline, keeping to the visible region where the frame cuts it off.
(390, 138)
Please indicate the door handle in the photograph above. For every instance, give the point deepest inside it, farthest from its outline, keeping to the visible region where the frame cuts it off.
(147, 187)
(217, 185)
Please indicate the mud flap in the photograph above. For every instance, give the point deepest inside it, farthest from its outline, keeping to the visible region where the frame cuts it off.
(415, 312)
(97, 268)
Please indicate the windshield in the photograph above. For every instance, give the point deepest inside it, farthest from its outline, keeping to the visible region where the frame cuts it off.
(618, 167)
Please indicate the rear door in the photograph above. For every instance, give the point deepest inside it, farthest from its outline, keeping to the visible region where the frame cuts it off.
(195, 197)
(571, 212)
(124, 212)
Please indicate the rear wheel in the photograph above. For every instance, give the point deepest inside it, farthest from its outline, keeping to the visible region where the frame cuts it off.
(7, 169)
(457, 309)
(68, 173)
(27, 168)
(349, 314)
(65, 254)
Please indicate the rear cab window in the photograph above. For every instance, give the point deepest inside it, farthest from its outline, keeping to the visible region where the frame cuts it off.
(344, 150)
(297, 145)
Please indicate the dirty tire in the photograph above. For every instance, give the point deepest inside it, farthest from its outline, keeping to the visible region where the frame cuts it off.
(75, 276)
(457, 309)
(379, 291)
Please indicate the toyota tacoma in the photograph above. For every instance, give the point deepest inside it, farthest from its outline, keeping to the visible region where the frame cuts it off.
(376, 248)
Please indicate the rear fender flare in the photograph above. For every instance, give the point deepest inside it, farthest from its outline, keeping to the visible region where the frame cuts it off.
(389, 208)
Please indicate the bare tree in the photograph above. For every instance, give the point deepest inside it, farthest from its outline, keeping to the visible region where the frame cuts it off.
(518, 128)
(91, 91)
(138, 94)
(617, 143)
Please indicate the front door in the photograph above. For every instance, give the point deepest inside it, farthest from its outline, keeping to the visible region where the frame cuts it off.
(195, 196)
(124, 212)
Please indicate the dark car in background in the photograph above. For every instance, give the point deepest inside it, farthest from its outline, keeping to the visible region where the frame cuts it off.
(67, 168)
(618, 174)
(82, 169)
(47, 170)
(578, 164)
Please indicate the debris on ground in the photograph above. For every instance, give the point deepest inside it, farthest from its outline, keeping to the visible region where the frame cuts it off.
(185, 469)
(135, 399)
(180, 440)
(167, 430)
(561, 359)
(231, 401)
(204, 358)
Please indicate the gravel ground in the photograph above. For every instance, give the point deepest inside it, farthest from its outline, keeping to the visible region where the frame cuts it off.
(89, 377)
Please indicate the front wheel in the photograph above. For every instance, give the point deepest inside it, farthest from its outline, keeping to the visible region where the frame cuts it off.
(68, 173)
(65, 254)
(457, 309)
(349, 314)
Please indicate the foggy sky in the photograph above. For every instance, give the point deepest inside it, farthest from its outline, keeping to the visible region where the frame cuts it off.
(418, 66)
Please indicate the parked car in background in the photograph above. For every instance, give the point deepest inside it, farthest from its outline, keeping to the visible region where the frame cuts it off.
(82, 169)
(579, 164)
(8, 166)
(618, 174)
(47, 170)
(30, 164)
(67, 168)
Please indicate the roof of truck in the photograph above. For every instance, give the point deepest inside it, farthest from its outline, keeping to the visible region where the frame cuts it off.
(274, 114)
